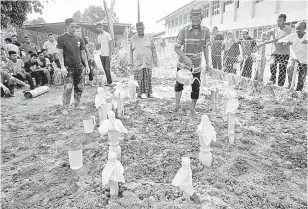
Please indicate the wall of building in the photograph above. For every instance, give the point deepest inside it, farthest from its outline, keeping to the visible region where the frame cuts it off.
(243, 14)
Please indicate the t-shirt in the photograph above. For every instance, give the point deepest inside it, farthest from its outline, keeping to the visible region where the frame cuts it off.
(29, 64)
(280, 33)
(29, 47)
(51, 47)
(5, 77)
(15, 67)
(12, 47)
(298, 48)
(43, 63)
(71, 45)
(247, 45)
(17, 43)
(103, 39)
(216, 47)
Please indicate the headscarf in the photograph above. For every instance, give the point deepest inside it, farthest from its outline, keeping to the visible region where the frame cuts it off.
(229, 41)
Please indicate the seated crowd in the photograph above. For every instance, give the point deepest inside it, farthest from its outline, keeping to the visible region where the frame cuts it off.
(25, 64)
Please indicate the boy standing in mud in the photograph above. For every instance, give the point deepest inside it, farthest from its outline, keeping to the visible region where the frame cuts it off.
(72, 53)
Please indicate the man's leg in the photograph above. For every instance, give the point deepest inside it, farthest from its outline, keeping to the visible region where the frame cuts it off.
(214, 61)
(78, 86)
(68, 87)
(195, 87)
(273, 68)
(178, 88)
(46, 79)
(150, 92)
(36, 76)
(106, 66)
(302, 73)
(283, 62)
(91, 70)
(290, 70)
(30, 81)
(138, 76)
(219, 64)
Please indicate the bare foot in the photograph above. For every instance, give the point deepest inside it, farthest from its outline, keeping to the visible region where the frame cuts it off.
(193, 112)
(177, 110)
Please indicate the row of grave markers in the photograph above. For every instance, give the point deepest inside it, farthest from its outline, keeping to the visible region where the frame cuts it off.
(113, 171)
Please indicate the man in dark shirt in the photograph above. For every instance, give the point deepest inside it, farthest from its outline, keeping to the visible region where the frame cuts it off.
(249, 46)
(14, 39)
(216, 48)
(33, 68)
(72, 53)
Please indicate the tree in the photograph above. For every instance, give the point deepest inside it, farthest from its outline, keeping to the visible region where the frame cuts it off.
(15, 12)
(38, 20)
(94, 14)
(77, 16)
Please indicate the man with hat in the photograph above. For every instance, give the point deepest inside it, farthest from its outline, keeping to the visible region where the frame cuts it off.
(142, 59)
(190, 43)
(72, 53)
(104, 41)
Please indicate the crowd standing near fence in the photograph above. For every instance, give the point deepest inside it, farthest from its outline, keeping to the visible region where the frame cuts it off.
(245, 56)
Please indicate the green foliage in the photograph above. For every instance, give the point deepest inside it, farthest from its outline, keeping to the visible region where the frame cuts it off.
(93, 14)
(38, 20)
(15, 12)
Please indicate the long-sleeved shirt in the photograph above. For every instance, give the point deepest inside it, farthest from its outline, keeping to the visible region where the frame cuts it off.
(142, 52)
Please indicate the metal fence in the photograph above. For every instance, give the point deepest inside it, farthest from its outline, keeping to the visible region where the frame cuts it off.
(245, 59)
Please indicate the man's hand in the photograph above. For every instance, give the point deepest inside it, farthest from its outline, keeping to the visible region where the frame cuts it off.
(87, 70)
(260, 45)
(6, 90)
(64, 71)
(188, 61)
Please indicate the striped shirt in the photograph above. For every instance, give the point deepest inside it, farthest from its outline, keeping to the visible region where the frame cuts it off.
(192, 46)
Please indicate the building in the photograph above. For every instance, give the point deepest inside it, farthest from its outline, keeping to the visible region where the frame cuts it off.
(38, 32)
(255, 15)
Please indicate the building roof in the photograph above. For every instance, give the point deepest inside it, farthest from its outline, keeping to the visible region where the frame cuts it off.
(176, 10)
(59, 27)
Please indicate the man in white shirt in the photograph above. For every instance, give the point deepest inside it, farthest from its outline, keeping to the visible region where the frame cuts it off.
(51, 44)
(105, 43)
(298, 43)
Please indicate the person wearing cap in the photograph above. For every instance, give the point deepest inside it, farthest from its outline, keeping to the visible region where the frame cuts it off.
(104, 41)
(281, 53)
(190, 43)
(248, 46)
(142, 59)
(72, 53)
(216, 48)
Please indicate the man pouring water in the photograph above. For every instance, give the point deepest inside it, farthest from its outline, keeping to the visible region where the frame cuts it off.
(190, 43)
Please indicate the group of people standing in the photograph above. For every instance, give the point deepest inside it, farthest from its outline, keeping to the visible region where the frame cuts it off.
(225, 52)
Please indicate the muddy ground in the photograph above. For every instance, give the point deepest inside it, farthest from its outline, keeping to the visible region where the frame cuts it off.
(265, 168)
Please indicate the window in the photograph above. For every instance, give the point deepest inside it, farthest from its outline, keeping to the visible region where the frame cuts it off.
(228, 6)
(172, 23)
(185, 18)
(243, 3)
(176, 22)
(255, 33)
(216, 8)
(180, 20)
(206, 10)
